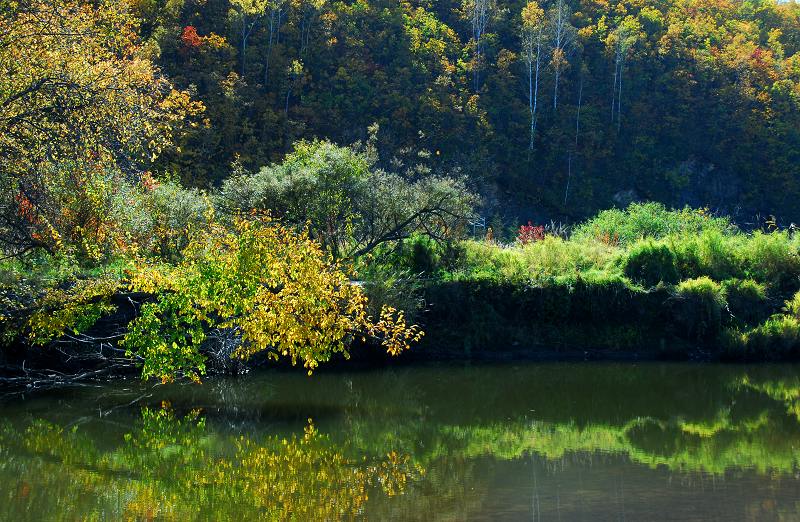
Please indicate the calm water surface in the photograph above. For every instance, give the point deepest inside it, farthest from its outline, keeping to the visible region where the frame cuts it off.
(480, 442)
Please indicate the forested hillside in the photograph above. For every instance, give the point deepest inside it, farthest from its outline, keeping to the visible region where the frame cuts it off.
(553, 110)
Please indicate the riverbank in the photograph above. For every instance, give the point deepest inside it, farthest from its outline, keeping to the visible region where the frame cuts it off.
(635, 284)
(643, 282)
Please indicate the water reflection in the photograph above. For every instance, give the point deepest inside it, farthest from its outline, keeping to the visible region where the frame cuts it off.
(174, 468)
(541, 442)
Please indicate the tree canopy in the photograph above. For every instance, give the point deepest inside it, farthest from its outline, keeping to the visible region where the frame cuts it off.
(81, 105)
(258, 288)
(685, 102)
(349, 204)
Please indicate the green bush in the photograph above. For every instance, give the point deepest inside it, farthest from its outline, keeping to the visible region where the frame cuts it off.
(716, 254)
(703, 288)
(701, 302)
(419, 254)
(555, 257)
(792, 306)
(773, 258)
(160, 218)
(346, 203)
(594, 278)
(650, 263)
(777, 338)
(665, 288)
(747, 299)
(388, 286)
(648, 220)
(484, 260)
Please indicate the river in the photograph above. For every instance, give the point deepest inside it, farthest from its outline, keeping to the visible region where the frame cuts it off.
(527, 441)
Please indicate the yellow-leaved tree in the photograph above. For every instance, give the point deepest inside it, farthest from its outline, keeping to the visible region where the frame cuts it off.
(269, 288)
(80, 104)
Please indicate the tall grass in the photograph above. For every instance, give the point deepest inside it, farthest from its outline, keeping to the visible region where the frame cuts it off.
(690, 275)
(649, 220)
(649, 245)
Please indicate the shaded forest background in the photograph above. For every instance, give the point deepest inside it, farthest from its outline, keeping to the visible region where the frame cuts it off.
(689, 102)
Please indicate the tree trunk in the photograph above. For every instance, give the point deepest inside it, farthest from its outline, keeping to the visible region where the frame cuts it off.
(555, 90)
(578, 115)
(569, 178)
(269, 47)
(530, 103)
(619, 100)
(245, 34)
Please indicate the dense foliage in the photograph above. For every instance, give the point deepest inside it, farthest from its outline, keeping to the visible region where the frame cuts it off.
(74, 124)
(260, 288)
(349, 205)
(558, 108)
(646, 278)
(174, 195)
(92, 239)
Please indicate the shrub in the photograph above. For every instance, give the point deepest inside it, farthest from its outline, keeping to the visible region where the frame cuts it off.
(777, 338)
(160, 217)
(346, 203)
(772, 258)
(555, 257)
(530, 233)
(700, 305)
(386, 286)
(490, 261)
(718, 255)
(746, 299)
(649, 220)
(709, 253)
(418, 254)
(792, 306)
(703, 288)
(650, 263)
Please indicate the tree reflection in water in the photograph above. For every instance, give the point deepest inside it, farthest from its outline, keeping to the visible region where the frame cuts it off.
(448, 444)
(173, 468)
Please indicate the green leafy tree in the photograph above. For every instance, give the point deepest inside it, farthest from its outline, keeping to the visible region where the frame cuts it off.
(347, 204)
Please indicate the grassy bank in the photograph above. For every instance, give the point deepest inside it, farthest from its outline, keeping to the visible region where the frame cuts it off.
(646, 279)
(640, 282)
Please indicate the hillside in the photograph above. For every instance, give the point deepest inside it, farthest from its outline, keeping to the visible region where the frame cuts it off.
(685, 102)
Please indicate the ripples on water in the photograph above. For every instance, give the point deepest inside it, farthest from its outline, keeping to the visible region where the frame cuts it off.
(482, 442)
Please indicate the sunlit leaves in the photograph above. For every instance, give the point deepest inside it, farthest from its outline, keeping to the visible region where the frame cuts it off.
(78, 97)
(71, 310)
(170, 467)
(275, 287)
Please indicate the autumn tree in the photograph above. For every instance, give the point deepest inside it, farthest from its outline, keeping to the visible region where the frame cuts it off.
(256, 288)
(563, 35)
(70, 122)
(533, 35)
